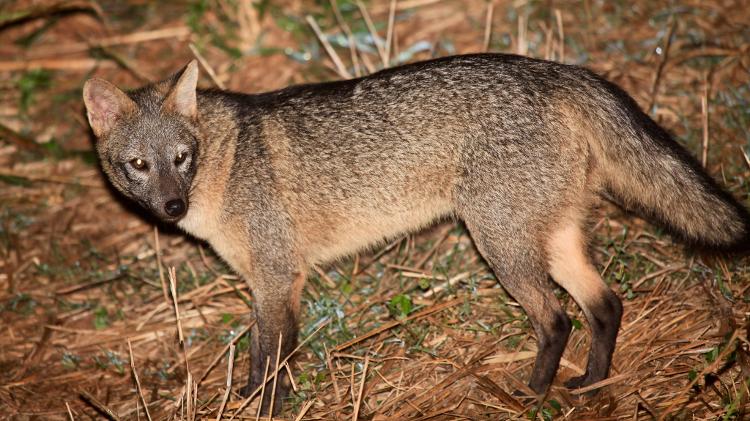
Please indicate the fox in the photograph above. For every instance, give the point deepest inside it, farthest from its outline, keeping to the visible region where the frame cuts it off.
(518, 149)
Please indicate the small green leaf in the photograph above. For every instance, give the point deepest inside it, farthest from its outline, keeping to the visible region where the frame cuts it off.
(577, 325)
(400, 306)
(88, 157)
(29, 83)
(15, 180)
(243, 344)
(712, 355)
(347, 288)
(319, 377)
(303, 380)
(547, 415)
(101, 318)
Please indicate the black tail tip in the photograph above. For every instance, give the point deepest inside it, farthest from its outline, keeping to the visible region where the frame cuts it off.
(741, 246)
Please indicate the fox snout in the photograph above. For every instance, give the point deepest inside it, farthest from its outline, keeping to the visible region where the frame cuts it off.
(168, 197)
(170, 208)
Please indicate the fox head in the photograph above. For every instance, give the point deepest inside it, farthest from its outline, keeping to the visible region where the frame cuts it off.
(147, 139)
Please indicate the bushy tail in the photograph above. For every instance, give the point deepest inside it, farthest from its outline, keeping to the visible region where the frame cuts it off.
(648, 172)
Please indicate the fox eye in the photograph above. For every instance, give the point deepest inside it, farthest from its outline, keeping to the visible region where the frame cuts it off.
(180, 158)
(138, 164)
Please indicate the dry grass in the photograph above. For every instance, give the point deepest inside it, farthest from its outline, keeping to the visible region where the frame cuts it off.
(96, 325)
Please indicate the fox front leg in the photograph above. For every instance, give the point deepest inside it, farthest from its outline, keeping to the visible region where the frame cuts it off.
(276, 284)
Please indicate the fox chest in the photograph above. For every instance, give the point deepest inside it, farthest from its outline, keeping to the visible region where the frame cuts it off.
(226, 238)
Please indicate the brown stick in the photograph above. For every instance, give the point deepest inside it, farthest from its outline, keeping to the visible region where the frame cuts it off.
(230, 366)
(340, 68)
(357, 404)
(488, 25)
(134, 38)
(60, 7)
(660, 68)
(19, 139)
(223, 351)
(704, 120)
(54, 64)
(98, 406)
(137, 381)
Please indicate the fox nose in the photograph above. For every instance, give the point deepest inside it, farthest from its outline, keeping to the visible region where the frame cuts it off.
(175, 208)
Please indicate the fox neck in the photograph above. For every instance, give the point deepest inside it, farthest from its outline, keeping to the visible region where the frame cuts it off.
(217, 144)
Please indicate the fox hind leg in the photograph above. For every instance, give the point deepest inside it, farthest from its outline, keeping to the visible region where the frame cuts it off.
(571, 268)
(522, 272)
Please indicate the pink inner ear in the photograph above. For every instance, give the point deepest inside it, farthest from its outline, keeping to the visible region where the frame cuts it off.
(105, 106)
(185, 103)
(182, 97)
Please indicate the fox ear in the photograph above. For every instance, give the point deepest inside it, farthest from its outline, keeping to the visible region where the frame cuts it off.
(182, 97)
(105, 103)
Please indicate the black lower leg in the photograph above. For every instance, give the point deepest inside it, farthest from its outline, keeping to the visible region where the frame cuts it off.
(552, 331)
(266, 338)
(604, 318)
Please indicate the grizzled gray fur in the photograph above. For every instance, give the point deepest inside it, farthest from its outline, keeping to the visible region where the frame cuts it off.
(519, 149)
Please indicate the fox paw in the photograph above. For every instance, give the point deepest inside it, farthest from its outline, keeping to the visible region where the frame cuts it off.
(523, 398)
(282, 391)
(576, 382)
(582, 381)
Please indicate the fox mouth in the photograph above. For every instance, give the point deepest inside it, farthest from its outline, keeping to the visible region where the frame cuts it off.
(171, 219)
